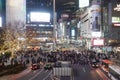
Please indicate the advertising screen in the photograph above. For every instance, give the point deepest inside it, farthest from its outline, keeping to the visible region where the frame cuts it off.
(116, 13)
(115, 19)
(98, 42)
(39, 17)
(0, 22)
(96, 34)
(83, 3)
(73, 32)
(96, 18)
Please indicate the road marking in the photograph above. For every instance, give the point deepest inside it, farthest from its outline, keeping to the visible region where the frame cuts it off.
(84, 69)
(32, 78)
(102, 75)
(47, 75)
(46, 71)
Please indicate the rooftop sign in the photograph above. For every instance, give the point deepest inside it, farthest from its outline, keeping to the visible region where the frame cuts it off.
(117, 8)
(83, 3)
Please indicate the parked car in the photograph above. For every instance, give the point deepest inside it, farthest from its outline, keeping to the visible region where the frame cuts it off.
(35, 66)
(48, 66)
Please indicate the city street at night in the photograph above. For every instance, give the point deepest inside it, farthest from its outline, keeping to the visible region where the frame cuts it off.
(88, 73)
(37, 75)
(80, 72)
(59, 39)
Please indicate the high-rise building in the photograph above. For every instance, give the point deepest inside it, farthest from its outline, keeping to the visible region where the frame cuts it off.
(99, 24)
(2, 12)
(15, 11)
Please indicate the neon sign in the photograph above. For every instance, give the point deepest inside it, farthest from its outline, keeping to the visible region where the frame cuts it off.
(115, 19)
(117, 8)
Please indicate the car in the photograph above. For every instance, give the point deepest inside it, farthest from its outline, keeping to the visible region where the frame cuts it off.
(95, 65)
(35, 66)
(48, 66)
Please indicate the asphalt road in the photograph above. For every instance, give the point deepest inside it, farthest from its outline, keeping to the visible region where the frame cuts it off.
(86, 72)
(39, 74)
(80, 72)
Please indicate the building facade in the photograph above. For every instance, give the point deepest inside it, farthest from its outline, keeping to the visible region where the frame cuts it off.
(99, 24)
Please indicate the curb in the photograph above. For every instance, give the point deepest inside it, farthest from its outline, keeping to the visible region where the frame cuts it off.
(15, 76)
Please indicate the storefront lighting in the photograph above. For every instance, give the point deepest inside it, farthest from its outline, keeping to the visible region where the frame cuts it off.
(96, 34)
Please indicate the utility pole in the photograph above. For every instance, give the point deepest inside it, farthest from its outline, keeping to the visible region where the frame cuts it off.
(54, 25)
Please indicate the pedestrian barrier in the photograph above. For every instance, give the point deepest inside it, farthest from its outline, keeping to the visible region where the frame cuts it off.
(62, 71)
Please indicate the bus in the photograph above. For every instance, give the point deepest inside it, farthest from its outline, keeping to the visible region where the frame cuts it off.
(114, 72)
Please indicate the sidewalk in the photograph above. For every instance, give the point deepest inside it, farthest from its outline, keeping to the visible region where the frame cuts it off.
(5, 78)
(15, 76)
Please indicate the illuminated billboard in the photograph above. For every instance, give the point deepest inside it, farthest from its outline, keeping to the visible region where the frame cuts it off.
(97, 42)
(0, 22)
(116, 14)
(83, 3)
(96, 34)
(115, 19)
(96, 18)
(39, 17)
(73, 32)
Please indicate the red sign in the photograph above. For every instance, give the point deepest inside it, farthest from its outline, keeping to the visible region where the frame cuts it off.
(98, 42)
(116, 24)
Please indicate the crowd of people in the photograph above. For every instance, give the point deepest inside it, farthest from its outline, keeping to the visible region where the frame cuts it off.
(37, 56)
(83, 57)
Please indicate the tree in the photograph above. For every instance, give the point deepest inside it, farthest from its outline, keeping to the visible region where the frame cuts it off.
(16, 37)
(13, 33)
(1, 39)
